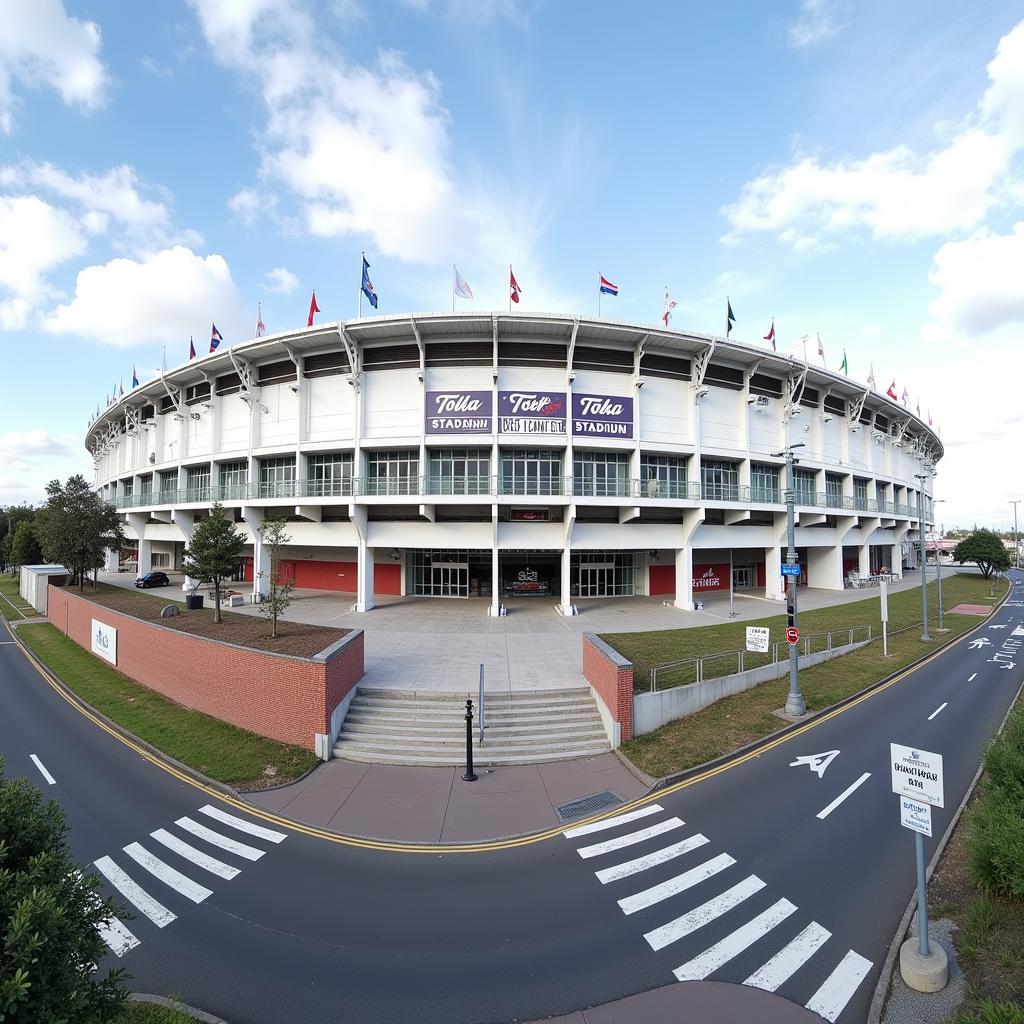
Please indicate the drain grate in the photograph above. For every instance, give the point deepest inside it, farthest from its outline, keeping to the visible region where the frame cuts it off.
(588, 805)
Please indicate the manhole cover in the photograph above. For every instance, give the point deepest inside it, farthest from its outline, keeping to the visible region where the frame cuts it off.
(588, 805)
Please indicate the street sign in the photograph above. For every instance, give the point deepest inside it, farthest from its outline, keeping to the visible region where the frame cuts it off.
(883, 591)
(916, 774)
(916, 816)
(790, 570)
(792, 635)
(757, 639)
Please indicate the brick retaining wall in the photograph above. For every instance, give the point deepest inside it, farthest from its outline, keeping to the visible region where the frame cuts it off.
(282, 697)
(611, 676)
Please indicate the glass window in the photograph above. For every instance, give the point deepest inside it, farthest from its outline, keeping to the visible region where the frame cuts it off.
(460, 471)
(860, 494)
(233, 478)
(764, 483)
(146, 489)
(168, 485)
(719, 481)
(662, 476)
(277, 477)
(600, 474)
(602, 574)
(329, 475)
(127, 487)
(531, 471)
(833, 490)
(392, 472)
(804, 486)
(197, 483)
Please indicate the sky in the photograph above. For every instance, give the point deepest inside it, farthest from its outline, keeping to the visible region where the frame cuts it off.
(851, 169)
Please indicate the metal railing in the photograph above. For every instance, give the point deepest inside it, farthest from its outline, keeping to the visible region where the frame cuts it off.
(727, 663)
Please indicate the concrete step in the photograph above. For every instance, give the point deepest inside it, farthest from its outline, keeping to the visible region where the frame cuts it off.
(483, 758)
(382, 693)
(363, 699)
(513, 727)
(410, 741)
(491, 717)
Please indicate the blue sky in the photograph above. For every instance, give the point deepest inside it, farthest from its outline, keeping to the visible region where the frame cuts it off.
(850, 169)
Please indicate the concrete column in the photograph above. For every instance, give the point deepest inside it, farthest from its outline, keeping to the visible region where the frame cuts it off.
(495, 581)
(684, 578)
(864, 560)
(364, 560)
(565, 604)
(137, 521)
(186, 521)
(899, 533)
(110, 561)
(825, 567)
(773, 586)
(253, 518)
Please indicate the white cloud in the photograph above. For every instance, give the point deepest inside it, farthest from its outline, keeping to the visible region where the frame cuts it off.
(161, 298)
(281, 280)
(899, 193)
(41, 46)
(819, 21)
(18, 446)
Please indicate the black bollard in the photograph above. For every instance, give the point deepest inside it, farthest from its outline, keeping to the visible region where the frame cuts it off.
(470, 775)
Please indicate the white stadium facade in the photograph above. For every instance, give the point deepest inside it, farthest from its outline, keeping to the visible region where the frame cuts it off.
(497, 456)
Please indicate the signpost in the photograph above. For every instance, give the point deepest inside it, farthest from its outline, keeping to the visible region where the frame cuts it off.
(883, 593)
(757, 639)
(792, 635)
(790, 570)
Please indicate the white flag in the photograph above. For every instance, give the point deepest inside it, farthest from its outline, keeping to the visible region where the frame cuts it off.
(670, 304)
(871, 376)
(821, 351)
(460, 285)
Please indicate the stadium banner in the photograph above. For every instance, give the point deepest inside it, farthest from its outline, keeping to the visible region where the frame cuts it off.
(602, 416)
(531, 412)
(458, 412)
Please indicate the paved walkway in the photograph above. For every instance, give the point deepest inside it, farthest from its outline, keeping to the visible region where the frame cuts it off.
(430, 805)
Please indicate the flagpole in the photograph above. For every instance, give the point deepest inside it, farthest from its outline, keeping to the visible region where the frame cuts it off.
(359, 300)
(727, 316)
(453, 287)
(510, 287)
(598, 296)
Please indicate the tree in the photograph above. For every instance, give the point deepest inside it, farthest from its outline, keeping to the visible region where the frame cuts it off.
(76, 527)
(50, 914)
(984, 548)
(25, 549)
(10, 517)
(279, 593)
(213, 553)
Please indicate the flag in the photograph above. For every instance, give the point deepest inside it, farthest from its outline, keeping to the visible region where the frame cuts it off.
(929, 417)
(730, 319)
(871, 376)
(460, 285)
(192, 349)
(215, 337)
(670, 304)
(514, 286)
(919, 410)
(314, 308)
(261, 327)
(892, 390)
(367, 285)
(770, 336)
(906, 395)
(606, 287)
(821, 351)
(135, 378)
(120, 390)
(163, 362)
(843, 366)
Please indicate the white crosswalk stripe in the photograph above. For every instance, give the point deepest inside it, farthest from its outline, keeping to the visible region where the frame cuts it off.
(242, 825)
(733, 944)
(134, 893)
(117, 937)
(790, 958)
(830, 1000)
(689, 922)
(674, 886)
(216, 839)
(606, 823)
(650, 860)
(169, 876)
(204, 860)
(610, 845)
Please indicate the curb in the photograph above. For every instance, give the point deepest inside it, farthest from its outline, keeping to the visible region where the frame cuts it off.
(878, 1000)
(173, 1004)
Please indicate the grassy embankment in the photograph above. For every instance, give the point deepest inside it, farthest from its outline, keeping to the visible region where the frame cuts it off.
(12, 605)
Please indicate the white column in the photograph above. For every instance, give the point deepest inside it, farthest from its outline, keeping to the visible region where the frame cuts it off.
(684, 578)
(110, 561)
(364, 560)
(825, 567)
(185, 521)
(565, 604)
(137, 521)
(495, 566)
(253, 518)
(773, 585)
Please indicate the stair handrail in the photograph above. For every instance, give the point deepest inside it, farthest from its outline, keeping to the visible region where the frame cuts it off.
(480, 705)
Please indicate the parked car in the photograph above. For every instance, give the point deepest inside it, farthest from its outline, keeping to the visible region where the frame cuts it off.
(152, 579)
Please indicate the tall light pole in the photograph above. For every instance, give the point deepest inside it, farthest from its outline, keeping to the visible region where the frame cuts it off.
(938, 564)
(921, 477)
(1016, 542)
(795, 706)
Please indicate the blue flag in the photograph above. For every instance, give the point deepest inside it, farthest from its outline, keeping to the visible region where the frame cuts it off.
(367, 285)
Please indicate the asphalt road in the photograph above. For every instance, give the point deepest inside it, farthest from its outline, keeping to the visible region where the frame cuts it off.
(733, 877)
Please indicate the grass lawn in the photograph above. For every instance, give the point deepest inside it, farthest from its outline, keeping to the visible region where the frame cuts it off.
(152, 1013)
(747, 716)
(217, 749)
(12, 604)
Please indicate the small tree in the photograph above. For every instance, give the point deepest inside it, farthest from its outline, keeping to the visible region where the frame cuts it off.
(25, 549)
(984, 548)
(279, 593)
(49, 918)
(76, 527)
(213, 553)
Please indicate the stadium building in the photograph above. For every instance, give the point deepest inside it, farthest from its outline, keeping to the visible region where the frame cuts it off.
(504, 456)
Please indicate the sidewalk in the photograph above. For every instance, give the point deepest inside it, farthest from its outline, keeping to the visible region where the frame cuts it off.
(434, 805)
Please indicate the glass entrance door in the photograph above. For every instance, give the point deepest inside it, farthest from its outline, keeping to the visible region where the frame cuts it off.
(596, 580)
(742, 577)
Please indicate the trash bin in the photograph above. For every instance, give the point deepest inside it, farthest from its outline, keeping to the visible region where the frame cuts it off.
(193, 601)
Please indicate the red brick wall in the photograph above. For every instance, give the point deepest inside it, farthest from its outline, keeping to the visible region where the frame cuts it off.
(613, 683)
(286, 699)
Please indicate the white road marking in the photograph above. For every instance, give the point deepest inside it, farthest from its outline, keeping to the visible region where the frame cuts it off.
(971, 677)
(826, 811)
(619, 819)
(937, 710)
(117, 937)
(816, 762)
(610, 845)
(830, 1000)
(244, 826)
(659, 938)
(216, 839)
(216, 867)
(732, 945)
(790, 958)
(175, 879)
(650, 860)
(134, 893)
(674, 886)
(46, 775)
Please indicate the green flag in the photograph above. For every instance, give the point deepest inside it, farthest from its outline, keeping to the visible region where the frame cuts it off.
(729, 318)
(843, 366)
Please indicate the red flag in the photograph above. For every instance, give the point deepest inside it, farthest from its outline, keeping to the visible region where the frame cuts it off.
(313, 308)
(514, 285)
(191, 349)
(892, 390)
(770, 336)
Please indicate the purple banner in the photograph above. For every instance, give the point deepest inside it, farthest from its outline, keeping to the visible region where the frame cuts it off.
(458, 412)
(531, 412)
(602, 415)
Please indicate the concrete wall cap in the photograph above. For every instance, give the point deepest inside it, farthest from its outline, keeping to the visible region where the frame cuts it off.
(608, 651)
(328, 654)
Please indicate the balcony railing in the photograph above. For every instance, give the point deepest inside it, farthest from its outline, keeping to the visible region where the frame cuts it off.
(676, 490)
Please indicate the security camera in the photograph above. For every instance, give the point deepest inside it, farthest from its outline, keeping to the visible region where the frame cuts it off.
(351, 380)
(294, 388)
(572, 376)
(194, 416)
(854, 429)
(826, 418)
(640, 382)
(751, 399)
(419, 377)
(701, 391)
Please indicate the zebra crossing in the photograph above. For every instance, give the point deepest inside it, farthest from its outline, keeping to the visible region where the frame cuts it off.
(722, 874)
(145, 864)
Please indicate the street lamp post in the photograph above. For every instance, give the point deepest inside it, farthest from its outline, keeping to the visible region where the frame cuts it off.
(921, 477)
(1016, 542)
(938, 565)
(795, 706)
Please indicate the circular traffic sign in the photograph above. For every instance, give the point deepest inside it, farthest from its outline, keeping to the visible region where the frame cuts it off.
(792, 634)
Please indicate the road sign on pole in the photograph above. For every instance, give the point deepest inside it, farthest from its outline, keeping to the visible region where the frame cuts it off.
(757, 639)
(883, 593)
(790, 570)
(915, 816)
(792, 635)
